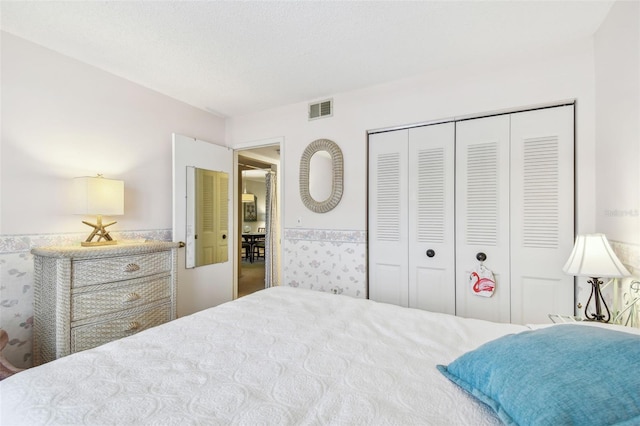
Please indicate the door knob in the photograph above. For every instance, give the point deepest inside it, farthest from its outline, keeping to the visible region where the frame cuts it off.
(481, 257)
(430, 253)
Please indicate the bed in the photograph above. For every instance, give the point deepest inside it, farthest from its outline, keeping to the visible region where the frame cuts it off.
(279, 356)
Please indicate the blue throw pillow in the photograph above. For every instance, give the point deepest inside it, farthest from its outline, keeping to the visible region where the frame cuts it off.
(560, 375)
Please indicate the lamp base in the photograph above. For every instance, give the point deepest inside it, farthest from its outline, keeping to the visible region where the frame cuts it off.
(104, 239)
(596, 295)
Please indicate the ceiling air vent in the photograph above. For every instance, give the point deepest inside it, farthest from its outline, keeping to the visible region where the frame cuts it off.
(321, 109)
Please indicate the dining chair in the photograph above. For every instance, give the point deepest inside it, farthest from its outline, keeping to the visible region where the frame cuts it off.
(258, 250)
(247, 251)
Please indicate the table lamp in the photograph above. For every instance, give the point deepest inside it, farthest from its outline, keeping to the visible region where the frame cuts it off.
(246, 197)
(593, 257)
(98, 196)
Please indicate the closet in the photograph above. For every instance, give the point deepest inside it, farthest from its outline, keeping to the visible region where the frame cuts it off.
(498, 188)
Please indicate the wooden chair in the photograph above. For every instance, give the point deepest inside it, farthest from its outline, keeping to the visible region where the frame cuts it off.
(258, 250)
(258, 246)
(247, 253)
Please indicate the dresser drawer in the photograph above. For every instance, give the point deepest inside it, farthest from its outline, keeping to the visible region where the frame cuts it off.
(110, 298)
(98, 271)
(92, 335)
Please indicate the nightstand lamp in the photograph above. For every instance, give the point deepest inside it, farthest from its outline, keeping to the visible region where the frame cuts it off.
(593, 257)
(98, 196)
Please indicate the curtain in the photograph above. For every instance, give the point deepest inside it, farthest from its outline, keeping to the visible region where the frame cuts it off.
(272, 233)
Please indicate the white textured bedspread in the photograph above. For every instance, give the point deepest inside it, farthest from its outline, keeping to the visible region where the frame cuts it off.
(280, 356)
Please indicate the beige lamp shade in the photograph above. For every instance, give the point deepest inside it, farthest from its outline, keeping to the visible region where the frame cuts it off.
(98, 196)
(592, 256)
(246, 197)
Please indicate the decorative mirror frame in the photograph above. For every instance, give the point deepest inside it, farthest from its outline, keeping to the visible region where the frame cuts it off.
(337, 167)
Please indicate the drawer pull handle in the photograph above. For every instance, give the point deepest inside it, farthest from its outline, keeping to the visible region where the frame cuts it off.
(132, 267)
(133, 326)
(132, 297)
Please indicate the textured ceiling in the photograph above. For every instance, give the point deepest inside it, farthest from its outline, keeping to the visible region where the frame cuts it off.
(238, 57)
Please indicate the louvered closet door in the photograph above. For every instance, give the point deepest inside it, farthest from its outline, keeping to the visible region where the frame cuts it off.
(221, 218)
(542, 213)
(212, 225)
(431, 218)
(205, 236)
(388, 242)
(482, 213)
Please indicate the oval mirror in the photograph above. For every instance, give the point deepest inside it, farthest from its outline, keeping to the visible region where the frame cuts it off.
(320, 176)
(321, 172)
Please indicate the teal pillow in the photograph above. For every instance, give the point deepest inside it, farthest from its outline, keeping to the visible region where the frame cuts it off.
(560, 375)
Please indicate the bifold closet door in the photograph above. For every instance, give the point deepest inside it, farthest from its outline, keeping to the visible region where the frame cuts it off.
(542, 213)
(411, 217)
(431, 218)
(498, 187)
(482, 214)
(388, 220)
(515, 204)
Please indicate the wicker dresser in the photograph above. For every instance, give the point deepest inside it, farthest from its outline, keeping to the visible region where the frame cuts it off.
(87, 296)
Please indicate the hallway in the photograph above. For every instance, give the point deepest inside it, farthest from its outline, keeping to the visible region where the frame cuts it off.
(251, 277)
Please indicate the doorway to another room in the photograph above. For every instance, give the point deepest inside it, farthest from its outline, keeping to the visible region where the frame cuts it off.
(258, 218)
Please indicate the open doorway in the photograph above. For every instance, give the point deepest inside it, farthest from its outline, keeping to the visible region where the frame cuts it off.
(257, 171)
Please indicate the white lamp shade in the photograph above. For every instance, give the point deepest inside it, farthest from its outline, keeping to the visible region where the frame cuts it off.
(592, 256)
(98, 196)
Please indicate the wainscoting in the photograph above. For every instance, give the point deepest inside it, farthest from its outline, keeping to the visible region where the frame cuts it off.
(323, 260)
(326, 260)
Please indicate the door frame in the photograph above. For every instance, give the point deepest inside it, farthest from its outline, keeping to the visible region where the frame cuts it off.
(237, 150)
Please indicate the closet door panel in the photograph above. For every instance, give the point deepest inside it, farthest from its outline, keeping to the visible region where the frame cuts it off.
(542, 213)
(388, 239)
(431, 218)
(482, 214)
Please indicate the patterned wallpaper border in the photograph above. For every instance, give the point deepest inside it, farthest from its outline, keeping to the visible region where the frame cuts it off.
(22, 243)
(326, 235)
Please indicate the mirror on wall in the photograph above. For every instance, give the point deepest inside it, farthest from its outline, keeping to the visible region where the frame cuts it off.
(207, 236)
(321, 173)
(320, 167)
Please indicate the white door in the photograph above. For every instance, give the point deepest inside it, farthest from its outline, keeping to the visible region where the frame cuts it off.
(204, 286)
(482, 214)
(542, 212)
(432, 218)
(388, 240)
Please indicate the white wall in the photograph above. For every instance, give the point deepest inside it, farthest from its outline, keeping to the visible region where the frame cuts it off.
(617, 168)
(560, 73)
(565, 73)
(617, 165)
(62, 118)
